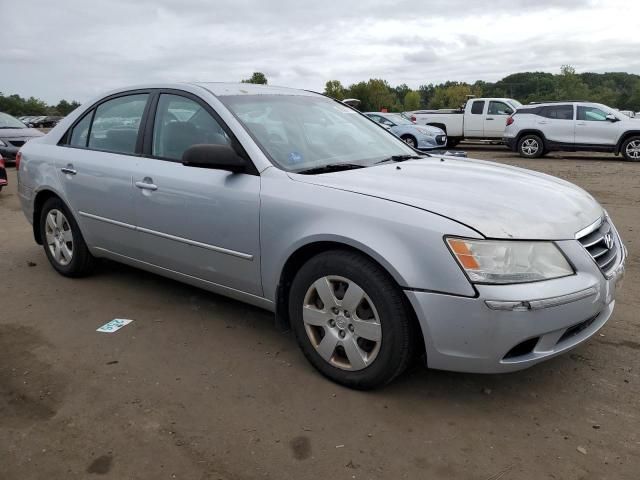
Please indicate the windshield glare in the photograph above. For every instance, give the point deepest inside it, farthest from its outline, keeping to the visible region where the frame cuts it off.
(303, 132)
(7, 121)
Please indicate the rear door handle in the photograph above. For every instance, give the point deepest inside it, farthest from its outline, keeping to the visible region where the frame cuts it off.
(146, 184)
(69, 170)
(488, 118)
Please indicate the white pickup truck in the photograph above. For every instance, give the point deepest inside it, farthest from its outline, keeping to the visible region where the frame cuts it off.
(483, 118)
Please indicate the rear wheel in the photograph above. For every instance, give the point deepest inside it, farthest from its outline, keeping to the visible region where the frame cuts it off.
(531, 146)
(631, 149)
(62, 241)
(351, 320)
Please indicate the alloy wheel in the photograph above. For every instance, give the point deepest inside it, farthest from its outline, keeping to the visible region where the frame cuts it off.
(59, 237)
(530, 146)
(342, 323)
(409, 141)
(633, 149)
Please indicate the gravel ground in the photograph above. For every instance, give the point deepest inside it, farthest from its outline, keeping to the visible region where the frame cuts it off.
(202, 387)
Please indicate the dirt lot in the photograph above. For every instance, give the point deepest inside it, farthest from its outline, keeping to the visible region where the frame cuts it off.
(202, 387)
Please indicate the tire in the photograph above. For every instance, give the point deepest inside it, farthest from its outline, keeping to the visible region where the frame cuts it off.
(62, 240)
(361, 347)
(410, 140)
(631, 149)
(531, 146)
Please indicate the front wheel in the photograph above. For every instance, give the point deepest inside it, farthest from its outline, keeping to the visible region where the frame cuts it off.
(631, 149)
(531, 146)
(410, 140)
(350, 320)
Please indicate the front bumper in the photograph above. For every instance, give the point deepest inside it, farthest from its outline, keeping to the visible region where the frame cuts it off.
(490, 334)
(430, 143)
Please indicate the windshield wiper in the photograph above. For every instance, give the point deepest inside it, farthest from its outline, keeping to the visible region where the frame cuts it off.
(331, 167)
(402, 158)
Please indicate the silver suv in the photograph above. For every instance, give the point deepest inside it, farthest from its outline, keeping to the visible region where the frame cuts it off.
(536, 129)
(369, 250)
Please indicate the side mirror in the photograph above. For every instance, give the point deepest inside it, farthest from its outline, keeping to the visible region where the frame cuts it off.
(612, 118)
(220, 157)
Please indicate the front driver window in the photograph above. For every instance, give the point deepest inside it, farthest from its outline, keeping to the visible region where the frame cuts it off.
(591, 114)
(499, 108)
(181, 123)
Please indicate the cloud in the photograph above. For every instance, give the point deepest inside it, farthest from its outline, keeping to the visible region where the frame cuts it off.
(73, 49)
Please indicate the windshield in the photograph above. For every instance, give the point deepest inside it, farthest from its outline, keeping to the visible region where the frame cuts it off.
(304, 132)
(7, 121)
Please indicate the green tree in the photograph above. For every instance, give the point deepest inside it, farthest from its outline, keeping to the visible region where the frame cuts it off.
(64, 108)
(334, 89)
(453, 95)
(257, 77)
(412, 100)
(570, 85)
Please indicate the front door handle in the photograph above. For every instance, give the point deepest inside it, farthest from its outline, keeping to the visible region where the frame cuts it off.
(146, 184)
(69, 170)
(489, 118)
(582, 124)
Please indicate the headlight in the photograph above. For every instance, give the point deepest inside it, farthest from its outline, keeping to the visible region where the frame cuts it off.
(2, 144)
(496, 261)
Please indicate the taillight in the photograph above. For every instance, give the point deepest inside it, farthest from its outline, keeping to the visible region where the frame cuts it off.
(1, 162)
(18, 158)
(510, 120)
(413, 118)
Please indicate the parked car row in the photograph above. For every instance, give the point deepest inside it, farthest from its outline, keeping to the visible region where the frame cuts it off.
(422, 137)
(43, 121)
(13, 135)
(534, 130)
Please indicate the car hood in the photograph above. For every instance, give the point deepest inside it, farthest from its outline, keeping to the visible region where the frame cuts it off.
(498, 201)
(427, 128)
(20, 133)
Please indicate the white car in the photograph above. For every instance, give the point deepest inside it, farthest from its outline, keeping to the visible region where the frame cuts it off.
(536, 129)
(482, 118)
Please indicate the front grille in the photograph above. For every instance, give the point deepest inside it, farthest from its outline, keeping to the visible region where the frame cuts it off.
(441, 139)
(17, 143)
(602, 245)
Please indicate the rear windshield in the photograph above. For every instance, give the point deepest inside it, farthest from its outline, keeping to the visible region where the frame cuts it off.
(7, 121)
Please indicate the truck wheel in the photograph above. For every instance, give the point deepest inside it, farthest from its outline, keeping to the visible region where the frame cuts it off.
(410, 140)
(631, 149)
(351, 320)
(452, 142)
(531, 146)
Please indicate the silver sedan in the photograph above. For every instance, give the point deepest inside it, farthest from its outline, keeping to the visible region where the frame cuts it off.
(370, 252)
(422, 137)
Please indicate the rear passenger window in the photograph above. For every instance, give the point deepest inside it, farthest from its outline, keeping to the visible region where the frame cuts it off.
(80, 133)
(477, 107)
(558, 112)
(116, 123)
(181, 123)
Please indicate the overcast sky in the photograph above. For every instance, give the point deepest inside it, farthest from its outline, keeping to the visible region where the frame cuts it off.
(75, 49)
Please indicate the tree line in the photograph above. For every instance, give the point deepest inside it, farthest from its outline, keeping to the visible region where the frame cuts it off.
(616, 89)
(17, 106)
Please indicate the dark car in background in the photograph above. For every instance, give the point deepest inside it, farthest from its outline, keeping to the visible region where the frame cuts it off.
(3, 174)
(49, 121)
(13, 135)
